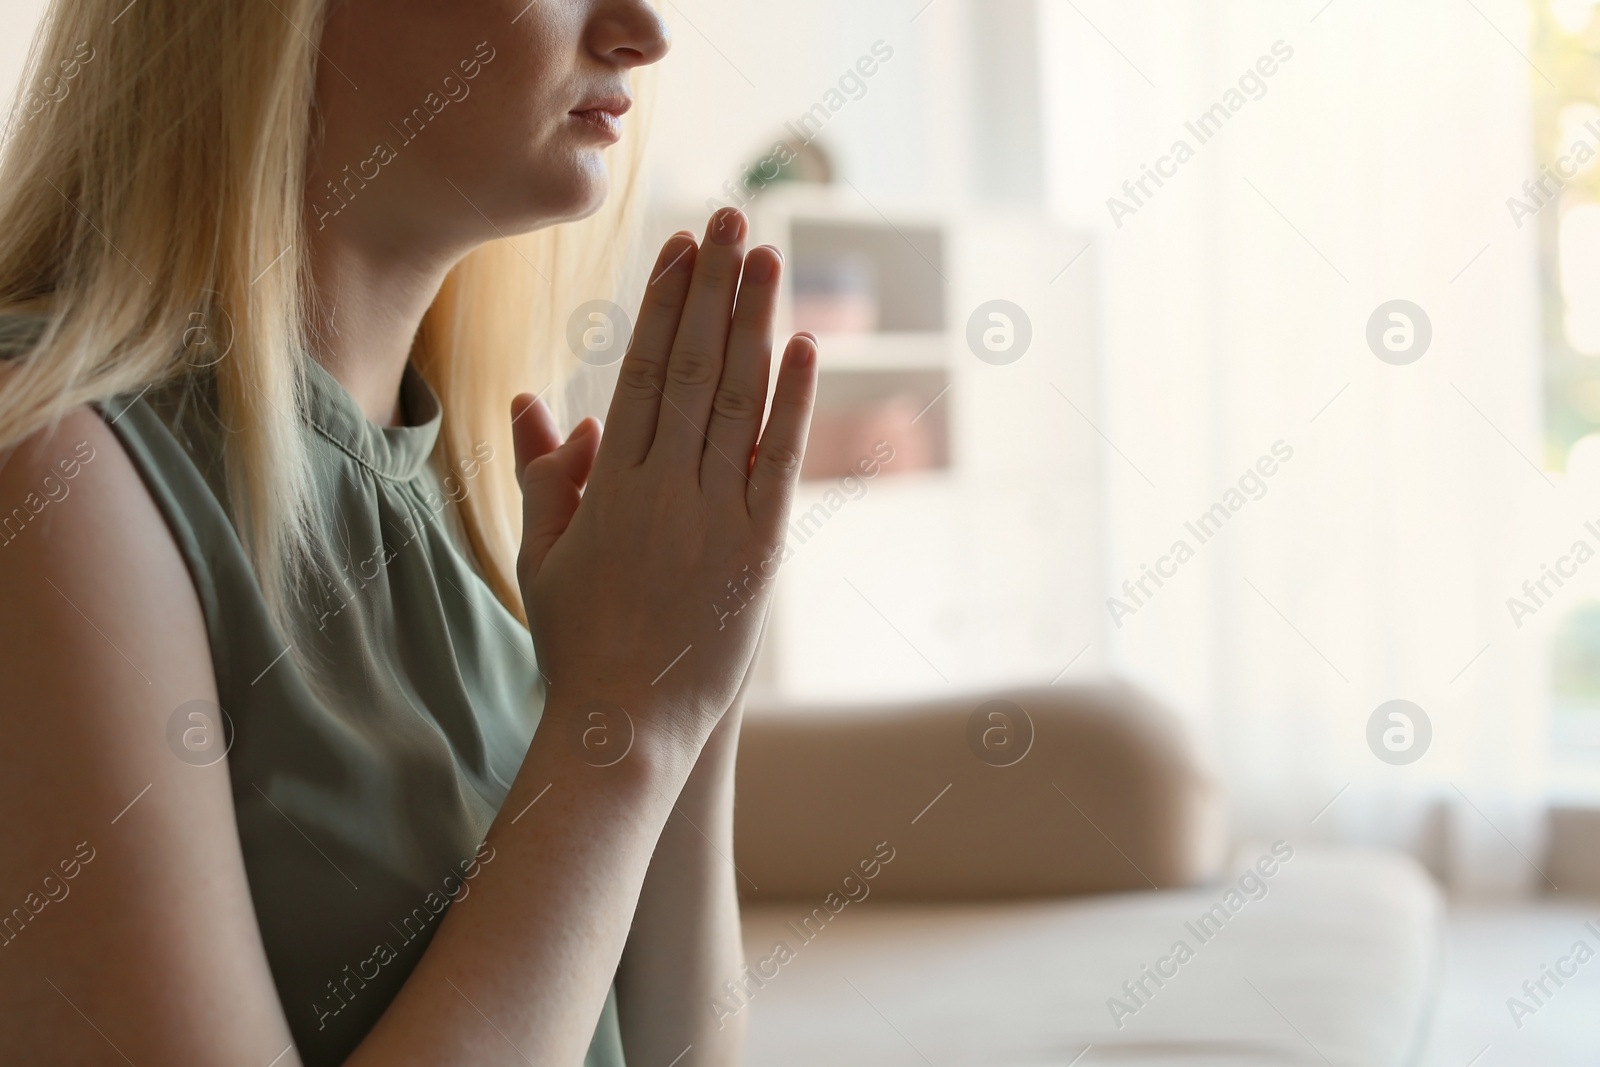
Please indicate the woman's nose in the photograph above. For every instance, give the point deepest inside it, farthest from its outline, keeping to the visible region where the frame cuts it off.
(629, 33)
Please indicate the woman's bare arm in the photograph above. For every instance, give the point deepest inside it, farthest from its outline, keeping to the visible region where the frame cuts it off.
(685, 942)
(144, 945)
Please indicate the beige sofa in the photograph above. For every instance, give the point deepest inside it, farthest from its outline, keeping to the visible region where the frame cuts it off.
(907, 901)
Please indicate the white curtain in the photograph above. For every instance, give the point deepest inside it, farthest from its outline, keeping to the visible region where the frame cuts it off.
(1372, 164)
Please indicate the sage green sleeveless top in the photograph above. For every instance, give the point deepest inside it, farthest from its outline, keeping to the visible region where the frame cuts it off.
(368, 761)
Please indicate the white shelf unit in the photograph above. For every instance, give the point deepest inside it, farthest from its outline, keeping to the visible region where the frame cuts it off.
(984, 568)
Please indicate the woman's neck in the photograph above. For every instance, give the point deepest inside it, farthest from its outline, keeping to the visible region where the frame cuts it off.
(369, 306)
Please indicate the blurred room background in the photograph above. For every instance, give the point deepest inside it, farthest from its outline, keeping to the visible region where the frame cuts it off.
(1189, 313)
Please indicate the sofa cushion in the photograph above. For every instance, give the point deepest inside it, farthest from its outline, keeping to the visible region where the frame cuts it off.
(1331, 958)
(1094, 763)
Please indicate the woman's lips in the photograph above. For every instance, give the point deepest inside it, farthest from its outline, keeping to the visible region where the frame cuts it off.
(607, 124)
(603, 114)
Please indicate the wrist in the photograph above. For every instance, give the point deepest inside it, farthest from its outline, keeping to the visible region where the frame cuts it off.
(634, 742)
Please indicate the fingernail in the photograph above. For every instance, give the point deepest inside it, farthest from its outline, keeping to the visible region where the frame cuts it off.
(804, 352)
(759, 268)
(676, 254)
(727, 226)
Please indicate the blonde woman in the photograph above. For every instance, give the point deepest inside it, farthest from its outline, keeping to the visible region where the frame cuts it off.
(272, 488)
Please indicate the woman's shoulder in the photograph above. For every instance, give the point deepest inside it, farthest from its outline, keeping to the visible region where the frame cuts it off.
(76, 514)
(49, 466)
(90, 571)
(124, 477)
(74, 496)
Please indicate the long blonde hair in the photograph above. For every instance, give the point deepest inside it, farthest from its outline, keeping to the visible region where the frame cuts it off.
(151, 183)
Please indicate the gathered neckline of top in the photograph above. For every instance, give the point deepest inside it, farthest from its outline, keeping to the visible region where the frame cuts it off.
(398, 453)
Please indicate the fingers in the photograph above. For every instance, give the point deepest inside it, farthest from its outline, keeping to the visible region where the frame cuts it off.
(783, 443)
(552, 486)
(695, 366)
(741, 396)
(533, 430)
(636, 403)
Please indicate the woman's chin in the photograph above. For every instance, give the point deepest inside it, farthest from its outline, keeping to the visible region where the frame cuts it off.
(587, 186)
(547, 196)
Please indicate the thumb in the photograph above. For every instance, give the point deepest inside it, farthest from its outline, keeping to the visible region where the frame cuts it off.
(552, 488)
(533, 430)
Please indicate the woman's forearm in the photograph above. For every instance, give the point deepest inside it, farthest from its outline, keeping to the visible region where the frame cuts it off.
(527, 956)
(685, 943)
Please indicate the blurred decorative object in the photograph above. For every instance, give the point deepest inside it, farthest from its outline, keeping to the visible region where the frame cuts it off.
(1573, 15)
(839, 263)
(835, 295)
(857, 412)
(805, 161)
(789, 161)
